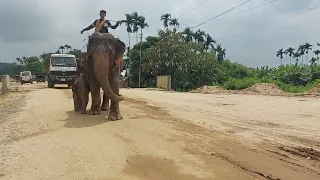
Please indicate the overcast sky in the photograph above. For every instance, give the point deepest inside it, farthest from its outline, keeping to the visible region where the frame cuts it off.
(31, 27)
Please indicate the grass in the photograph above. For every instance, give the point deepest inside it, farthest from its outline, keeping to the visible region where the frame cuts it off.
(239, 84)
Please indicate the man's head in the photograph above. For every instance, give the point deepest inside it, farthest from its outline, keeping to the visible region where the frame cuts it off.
(103, 14)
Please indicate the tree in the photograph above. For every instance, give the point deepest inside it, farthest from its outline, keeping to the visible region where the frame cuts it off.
(35, 65)
(296, 55)
(221, 53)
(135, 20)
(198, 36)
(290, 51)
(317, 52)
(141, 24)
(307, 47)
(280, 53)
(209, 42)
(165, 18)
(313, 60)
(129, 23)
(174, 23)
(67, 47)
(188, 34)
(301, 51)
(61, 48)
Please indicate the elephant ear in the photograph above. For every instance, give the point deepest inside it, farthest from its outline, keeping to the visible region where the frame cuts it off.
(120, 48)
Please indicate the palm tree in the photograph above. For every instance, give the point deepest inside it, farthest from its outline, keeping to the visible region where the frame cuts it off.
(142, 24)
(135, 19)
(67, 47)
(221, 53)
(61, 48)
(290, 50)
(313, 60)
(307, 47)
(301, 52)
(174, 22)
(209, 42)
(296, 55)
(189, 34)
(129, 23)
(165, 18)
(198, 36)
(317, 52)
(280, 53)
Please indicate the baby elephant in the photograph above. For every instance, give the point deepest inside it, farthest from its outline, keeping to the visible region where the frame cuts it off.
(80, 91)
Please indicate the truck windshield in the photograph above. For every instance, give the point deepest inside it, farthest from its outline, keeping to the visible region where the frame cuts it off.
(25, 73)
(63, 61)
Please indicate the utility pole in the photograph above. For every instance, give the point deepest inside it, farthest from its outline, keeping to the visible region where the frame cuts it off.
(140, 59)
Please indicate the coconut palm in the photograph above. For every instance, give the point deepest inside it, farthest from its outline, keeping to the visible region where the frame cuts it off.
(317, 52)
(174, 22)
(280, 53)
(141, 24)
(61, 48)
(135, 18)
(209, 42)
(198, 36)
(307, 47)
(188, 34)
(296, 55)
(313, 60)
(221, 53)
(166, 18)
(67, 47)
(290, 51)
(129, 23)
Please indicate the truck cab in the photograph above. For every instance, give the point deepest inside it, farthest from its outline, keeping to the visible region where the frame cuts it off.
(62, 69)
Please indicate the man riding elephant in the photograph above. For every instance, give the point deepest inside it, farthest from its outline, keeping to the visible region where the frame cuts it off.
(101, 25)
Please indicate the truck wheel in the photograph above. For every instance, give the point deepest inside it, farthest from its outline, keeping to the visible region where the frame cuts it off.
(50, 84)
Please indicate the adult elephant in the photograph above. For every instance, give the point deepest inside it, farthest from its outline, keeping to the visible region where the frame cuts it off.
(102, 69)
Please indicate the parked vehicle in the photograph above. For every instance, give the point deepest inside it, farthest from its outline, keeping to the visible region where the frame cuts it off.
(26, 77)
(40, 78)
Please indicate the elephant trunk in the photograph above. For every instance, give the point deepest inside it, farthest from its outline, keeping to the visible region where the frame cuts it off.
(101, 71)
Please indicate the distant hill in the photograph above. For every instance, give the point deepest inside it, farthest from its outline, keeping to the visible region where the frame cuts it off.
(7, 68)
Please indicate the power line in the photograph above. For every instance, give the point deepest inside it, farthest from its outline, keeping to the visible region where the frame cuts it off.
(193, 8)
(271, 23)
(250, 9)
(187, 4)
(224, 12)
(154, 7)
(233, 8)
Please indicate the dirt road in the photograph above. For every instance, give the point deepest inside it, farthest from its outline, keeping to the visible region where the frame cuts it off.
(162, 136)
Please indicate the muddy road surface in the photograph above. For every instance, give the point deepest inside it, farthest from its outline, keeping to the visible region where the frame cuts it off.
(164, 135)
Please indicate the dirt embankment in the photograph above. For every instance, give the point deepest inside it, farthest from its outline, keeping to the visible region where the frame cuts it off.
(259, 88)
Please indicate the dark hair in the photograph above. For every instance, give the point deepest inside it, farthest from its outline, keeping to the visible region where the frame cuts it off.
(103, 11)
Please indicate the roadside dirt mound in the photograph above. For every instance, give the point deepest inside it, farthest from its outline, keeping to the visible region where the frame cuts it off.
(265, 88)
(208, 90)
(315, 90)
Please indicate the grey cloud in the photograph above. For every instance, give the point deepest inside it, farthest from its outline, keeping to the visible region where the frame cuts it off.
(44, 25)
(22, 22)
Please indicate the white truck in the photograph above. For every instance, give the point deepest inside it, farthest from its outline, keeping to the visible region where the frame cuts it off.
(26, 77)
(62, 69)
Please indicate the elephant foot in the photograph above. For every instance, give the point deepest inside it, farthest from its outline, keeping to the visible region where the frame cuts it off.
(83, 112)
(94, 112)
(105, 108)
(114, 115)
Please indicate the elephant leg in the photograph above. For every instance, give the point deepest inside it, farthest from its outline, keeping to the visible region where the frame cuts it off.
(105, 103)
(96, 99)
(114, 113)
(84, 100)
(76, 101)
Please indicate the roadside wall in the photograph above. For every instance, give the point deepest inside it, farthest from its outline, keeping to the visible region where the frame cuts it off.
(5, 80)
(164, 82)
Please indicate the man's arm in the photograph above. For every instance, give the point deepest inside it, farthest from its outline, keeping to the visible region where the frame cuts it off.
(114, 26)
(89, 27)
